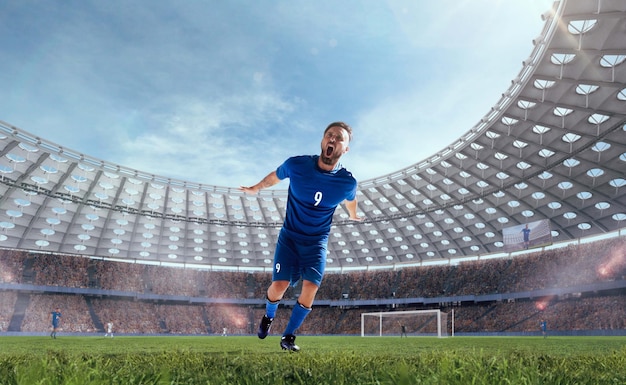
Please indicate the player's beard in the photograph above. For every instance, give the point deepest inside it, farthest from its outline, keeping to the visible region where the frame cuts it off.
(329, 159)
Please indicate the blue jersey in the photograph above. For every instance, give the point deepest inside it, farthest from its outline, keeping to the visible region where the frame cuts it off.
(314, 194)
(55, 317)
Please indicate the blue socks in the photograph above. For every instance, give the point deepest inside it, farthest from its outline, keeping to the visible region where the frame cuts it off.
(298, 315)
(270, 308)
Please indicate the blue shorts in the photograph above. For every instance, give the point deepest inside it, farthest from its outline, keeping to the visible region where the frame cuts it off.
(298, 256)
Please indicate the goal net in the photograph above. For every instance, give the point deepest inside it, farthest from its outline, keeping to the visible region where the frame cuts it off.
(405, 323)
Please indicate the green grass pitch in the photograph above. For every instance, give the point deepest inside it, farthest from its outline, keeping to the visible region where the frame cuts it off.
(323, 360)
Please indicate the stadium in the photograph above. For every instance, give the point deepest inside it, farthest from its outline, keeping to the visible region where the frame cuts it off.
(158, 256)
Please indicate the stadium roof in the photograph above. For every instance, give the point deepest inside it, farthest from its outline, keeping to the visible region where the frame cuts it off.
(553, 148)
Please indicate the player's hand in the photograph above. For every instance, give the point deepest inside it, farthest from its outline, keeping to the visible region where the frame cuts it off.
(248, 190)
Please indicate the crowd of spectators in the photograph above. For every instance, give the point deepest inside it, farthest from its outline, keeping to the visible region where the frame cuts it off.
(56, 270)
(11, 265)
(74, 310)
(128, 316)
(564, 267)
(7, 304)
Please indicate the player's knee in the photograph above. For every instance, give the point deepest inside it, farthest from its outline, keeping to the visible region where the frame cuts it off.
(309, 285)
(277, 289)
(307, 296)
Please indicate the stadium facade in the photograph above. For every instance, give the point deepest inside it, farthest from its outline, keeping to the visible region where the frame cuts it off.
(545, 165)
(551, 150)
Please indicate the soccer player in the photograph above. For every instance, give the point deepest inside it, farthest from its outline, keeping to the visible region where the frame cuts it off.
(56, 319)
(109, 330)
(317, 185)
(544, 328)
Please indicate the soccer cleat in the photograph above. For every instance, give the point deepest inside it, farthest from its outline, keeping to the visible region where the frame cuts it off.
(288, 342)
(264, 327)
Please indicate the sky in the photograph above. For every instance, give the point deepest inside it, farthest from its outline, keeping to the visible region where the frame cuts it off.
(222, 92)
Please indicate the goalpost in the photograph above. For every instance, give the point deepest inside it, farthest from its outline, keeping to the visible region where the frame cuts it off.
(400, 323)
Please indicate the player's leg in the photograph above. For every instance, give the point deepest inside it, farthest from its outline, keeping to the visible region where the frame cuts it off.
(303, 306)
(274, 294)
(313, 263)
(298, 315)
(281, 277)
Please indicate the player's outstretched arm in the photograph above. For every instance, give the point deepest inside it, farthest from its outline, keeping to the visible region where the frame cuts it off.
(270, 180)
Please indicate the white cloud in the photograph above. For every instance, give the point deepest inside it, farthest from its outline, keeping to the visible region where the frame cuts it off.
(205, 142)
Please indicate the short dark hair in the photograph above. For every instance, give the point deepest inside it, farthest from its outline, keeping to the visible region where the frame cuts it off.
(342, 125)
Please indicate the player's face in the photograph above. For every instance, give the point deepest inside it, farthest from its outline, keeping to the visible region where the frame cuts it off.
(334, 144)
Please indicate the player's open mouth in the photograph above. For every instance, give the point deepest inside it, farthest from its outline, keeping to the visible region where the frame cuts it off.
(329, 150)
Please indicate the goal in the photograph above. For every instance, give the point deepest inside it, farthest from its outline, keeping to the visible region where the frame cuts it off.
(412, 322)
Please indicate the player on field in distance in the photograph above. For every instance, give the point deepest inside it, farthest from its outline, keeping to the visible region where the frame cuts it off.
(544, 328)
(317, 185)
(109, 332)
(55, 317)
